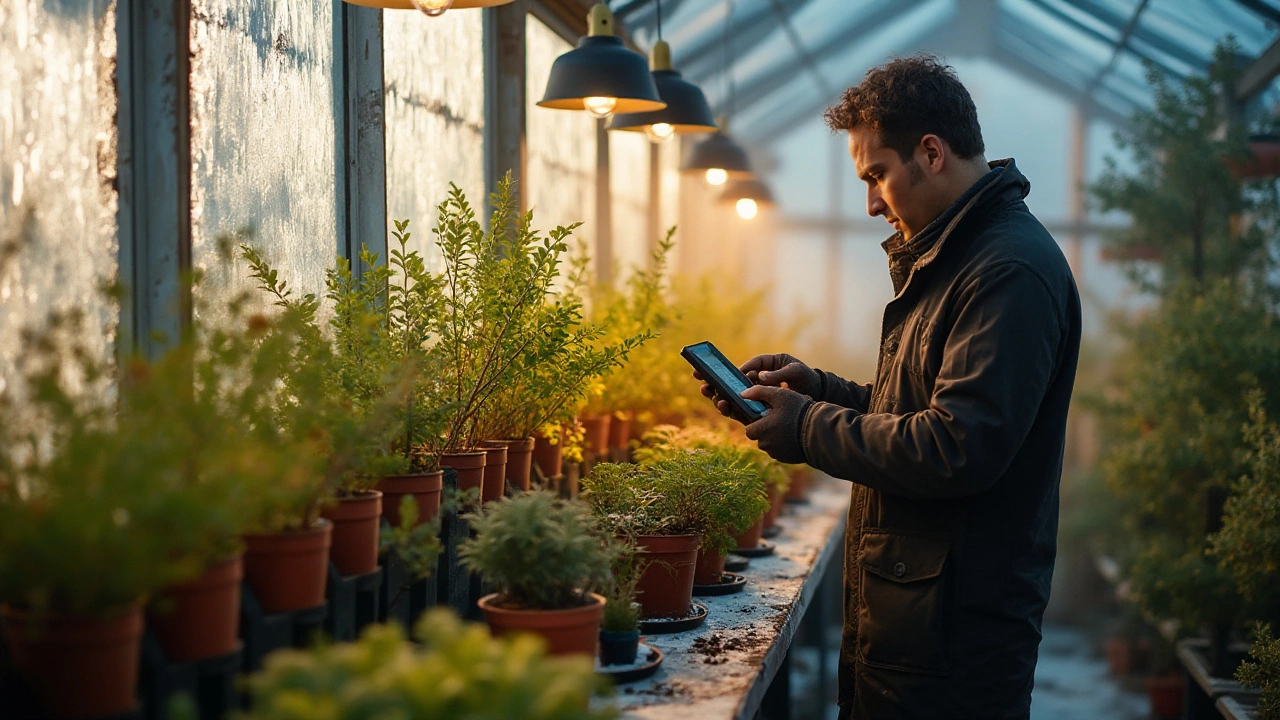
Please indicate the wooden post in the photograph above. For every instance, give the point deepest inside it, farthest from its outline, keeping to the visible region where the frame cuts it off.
(361, 131)
(604, 209)
(504, 97)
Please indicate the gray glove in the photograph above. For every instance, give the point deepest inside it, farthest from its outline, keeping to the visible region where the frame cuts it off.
(779, 432)
(781, 368)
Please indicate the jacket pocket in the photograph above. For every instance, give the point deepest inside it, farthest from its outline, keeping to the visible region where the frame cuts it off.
(901, 616)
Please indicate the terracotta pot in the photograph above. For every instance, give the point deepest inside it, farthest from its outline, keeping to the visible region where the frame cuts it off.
(775, 505)
(200, 619)
(494, 484)
(709, 568)
(1166, 695)
(547, 456)
(519, 461)
(287, 571)
(595, 428)
(425, 489)
(1119, 652)
(666, 584)
(568, 631)
(355, 533)
(750, 538)
(77, 667)
(469, 465)
(670, 418)
(620, 431)
(1263, 160)
(799, 489)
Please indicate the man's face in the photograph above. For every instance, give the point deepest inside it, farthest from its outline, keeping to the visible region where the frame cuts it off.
(894, 188)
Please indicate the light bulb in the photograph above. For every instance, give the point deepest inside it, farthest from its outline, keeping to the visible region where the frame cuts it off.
(716, 176)
(433, 8)
(659, 132)
(747, 208)
(601, 107)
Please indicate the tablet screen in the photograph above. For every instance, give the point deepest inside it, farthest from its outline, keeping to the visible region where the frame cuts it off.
(727, 374)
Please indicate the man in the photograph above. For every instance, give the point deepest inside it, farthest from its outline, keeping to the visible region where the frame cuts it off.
(955, 451)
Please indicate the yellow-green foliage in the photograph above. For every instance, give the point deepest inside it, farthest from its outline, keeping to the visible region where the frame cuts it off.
(458, 671)
(665, 440)
(1264, 673)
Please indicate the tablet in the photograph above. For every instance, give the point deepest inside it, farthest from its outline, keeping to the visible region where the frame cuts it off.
(724, 377)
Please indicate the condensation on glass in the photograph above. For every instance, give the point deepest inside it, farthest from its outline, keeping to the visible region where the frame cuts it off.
(629, 187)
(262, 139)
(561, 155)
(57, 168)
(434, 79)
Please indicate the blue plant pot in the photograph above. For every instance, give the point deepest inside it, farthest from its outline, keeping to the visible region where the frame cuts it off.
(618, 648)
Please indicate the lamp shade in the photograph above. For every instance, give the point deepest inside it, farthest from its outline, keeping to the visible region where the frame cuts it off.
(408, 4)
(752, 188)
(687, 110)
(601, 66)
(717, 151)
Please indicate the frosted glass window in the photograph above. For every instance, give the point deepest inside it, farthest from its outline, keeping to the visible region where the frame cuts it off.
(561, 145)
(262, 136)
(57, 167)
(434, 78)
(629, 187)
(669, 187)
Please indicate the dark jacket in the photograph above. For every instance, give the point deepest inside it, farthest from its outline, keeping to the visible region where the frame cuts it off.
(955, 453)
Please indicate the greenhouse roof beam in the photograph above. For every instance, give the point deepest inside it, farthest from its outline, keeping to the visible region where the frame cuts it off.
(1177, 52)
(1154, 40)
(1121, 43)
(749, 31)
(1261, 8)
(1259, 74)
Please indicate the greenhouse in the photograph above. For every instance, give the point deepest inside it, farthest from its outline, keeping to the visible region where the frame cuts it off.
(573, 360)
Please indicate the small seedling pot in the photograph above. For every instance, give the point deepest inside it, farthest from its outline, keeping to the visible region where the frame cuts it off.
(78, 667)
(710, 567)
(619, 648)
(750, 538)
(200, 619)
(567, 632)
(425, 489)
(775, 505)
(355, 532)
(288, 571)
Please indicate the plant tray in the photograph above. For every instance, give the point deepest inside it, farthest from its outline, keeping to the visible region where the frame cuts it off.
(664, 626)
(648, 660)
(736, 563)
(761, 550)
(771, 532)
(729, 583)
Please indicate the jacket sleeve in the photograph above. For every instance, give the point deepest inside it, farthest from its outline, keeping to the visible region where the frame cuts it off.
(1001, 355)
(838, 391)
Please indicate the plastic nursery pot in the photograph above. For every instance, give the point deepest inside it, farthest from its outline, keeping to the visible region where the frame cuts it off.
(665, 588)
(620, 431)
(425, 489)
(547, 456)
(77, 667)
(519, 461)
(595, 430)
(775, 504)
(288, 570)
(495, 471)
(750, 538)
(567, 631)
(470, 467)
(1166, 695)
(799, 489)
(200, 619)
(709, 569)
(355, 532)
(619, 648)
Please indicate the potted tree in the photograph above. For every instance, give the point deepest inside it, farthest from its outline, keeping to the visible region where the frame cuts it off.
(545, 556)
(454, 670)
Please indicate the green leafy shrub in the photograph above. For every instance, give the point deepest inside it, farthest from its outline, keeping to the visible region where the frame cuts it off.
(664, 440)
(621, 611)
(542, 553)
(457, 671)
(1264, 672)
(713, 493)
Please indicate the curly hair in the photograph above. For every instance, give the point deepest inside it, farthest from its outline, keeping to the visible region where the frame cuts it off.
(908, 98)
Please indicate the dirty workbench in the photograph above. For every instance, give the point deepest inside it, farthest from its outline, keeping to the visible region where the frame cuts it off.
(722, 669)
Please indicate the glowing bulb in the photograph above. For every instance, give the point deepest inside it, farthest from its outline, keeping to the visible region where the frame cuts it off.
(433, 8)
(717, 176)
(659, 132)
(747, 208)
(601, 107)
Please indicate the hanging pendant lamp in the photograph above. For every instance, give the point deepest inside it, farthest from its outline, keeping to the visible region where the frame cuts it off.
(601, 75)
(434, 8)
(748, 196)
(687, 110)
(719, 158)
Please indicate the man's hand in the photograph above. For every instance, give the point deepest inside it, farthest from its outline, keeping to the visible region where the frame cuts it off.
(778, 432)
(771, 369)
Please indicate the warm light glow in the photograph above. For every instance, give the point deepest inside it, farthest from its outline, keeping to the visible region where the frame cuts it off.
(601, 107)
(747, 208)
(659, 132)
(717, 176)
(433, 8)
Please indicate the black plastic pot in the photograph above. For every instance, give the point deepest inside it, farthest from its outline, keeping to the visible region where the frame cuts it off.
(618, 648)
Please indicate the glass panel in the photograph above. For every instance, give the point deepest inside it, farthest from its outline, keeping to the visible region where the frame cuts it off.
(669, 206)
(434, 75)
(57, 166)
(629, 185)
(561, 145)
(262, 136)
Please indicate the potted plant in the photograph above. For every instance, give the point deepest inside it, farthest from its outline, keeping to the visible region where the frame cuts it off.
(668, 509)
(620, 629)
(545, 556)
(454, 670)
(1263, 672)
